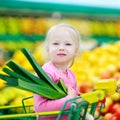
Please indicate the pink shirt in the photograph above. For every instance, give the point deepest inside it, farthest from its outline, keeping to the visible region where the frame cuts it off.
(42, 104)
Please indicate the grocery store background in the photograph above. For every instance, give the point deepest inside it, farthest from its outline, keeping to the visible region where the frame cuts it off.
(24, 23)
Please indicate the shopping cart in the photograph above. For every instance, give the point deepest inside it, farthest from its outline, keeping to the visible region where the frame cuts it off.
(26, 112)
(91, 102)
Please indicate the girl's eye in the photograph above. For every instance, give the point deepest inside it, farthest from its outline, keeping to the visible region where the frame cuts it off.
(68, 44)
(55, 43)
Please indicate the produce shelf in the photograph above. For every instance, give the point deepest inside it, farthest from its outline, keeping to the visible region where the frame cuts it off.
(22, 37)
(33, 38)
(91, 7)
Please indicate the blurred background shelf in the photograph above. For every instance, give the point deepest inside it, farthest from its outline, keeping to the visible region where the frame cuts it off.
(94, 13)
(107, 8)
(32, 38)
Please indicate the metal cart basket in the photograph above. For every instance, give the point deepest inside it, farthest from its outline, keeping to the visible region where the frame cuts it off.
(77, 111)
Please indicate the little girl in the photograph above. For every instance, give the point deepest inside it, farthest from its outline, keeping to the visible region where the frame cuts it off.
(62, 45)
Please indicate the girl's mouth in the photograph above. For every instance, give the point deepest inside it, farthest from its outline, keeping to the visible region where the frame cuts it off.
(61, 54)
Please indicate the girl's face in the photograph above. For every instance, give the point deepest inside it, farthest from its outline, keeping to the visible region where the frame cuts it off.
(61, 48)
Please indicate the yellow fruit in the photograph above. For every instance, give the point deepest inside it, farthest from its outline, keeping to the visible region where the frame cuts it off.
(2, 84)
(27, 25)
(111, 68)
(115, 97)
(3, 100)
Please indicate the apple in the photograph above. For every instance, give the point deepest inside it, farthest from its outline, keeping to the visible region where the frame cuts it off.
(106, 75)
(117, 113)
(111, 68)
(117, 75)
(107, 116)
(85, 87)
(115, 97)
(108, 104)
(119, 69)
(114, 117)
(114, 107)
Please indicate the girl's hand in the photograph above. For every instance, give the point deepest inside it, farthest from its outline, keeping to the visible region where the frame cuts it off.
(71, 92)
(79, 100)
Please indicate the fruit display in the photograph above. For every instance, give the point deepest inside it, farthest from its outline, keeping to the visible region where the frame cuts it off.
(99, 64)
(26, 31)
(29, 25)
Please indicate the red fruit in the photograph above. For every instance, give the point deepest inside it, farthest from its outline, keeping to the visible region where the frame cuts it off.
(107, 116)
(114, 108)
(118, 113)
(113, 118)
(84, 87)
(115, 97)
(116, 75)
(106, 75)
(118, 69)
(108, 104)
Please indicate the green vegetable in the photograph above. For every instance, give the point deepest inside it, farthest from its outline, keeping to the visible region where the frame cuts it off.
(41, 90)
(36, 66)
(20, 78)
(20, 72)
(9, 80)
(62, 86)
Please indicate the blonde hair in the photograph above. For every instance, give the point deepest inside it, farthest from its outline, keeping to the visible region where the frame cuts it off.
(67, 27)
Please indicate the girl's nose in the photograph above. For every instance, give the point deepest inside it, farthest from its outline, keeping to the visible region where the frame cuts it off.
(61, 49)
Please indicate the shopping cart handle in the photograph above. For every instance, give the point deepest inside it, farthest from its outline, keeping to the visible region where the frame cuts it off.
(108, 85)
(93, 96)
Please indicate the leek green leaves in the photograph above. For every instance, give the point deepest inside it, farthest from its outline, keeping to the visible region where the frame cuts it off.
(19, 77)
